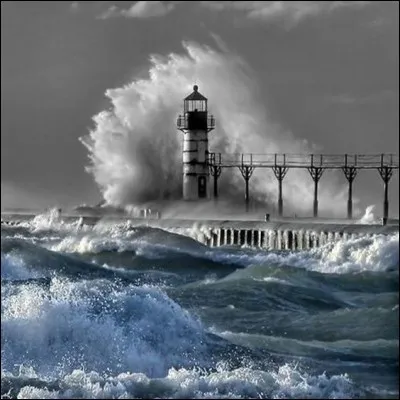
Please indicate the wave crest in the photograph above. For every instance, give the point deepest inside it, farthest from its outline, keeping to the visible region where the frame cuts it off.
(92, 324)
(286, 382)
(135, 151)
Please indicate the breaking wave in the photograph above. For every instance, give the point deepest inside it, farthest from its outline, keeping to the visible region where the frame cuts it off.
(135, 150)
(246, 383)
(119, 311)
(95, 339)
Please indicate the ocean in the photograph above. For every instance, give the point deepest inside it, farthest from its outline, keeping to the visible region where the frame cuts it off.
(111, 311)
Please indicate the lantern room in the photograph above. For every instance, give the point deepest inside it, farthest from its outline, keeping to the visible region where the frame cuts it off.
(195, 102)
(195, 115)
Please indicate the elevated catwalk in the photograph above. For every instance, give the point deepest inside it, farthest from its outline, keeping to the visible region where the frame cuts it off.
(316, 164)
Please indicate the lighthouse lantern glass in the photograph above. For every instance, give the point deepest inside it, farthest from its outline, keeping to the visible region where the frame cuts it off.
(195, 105)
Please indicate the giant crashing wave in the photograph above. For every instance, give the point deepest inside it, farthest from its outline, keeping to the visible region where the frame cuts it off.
(135, 151)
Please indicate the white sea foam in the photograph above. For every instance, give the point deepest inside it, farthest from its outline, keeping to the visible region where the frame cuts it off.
(369, 217)
(14, 267)
(286, 382)
(375, 253)
(135, 151)
(52, 220)
(94, 244)
(133, 339)
(92, 324)
(154, 244)
(97, 342)
(365, 253)
(349, 254)
(198, 231)
(65, 331)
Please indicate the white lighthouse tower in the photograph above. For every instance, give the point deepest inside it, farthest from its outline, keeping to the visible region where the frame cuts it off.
(195, 123)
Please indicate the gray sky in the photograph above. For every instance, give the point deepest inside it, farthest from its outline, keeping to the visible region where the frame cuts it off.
(326, 71)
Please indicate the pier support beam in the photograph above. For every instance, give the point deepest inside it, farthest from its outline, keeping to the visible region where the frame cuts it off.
(246, 171)
(215, 172)
(316, 173)
(385, 173)
(280, 173)
(350, 173)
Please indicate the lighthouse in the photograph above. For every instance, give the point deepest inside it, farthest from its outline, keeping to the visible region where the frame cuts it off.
(195, 123)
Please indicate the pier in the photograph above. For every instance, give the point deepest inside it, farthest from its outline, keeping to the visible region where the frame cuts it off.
(316, 164)
(275, 235)
(200, 165)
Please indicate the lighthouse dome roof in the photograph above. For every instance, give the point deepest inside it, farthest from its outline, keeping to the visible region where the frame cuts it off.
(195, 95)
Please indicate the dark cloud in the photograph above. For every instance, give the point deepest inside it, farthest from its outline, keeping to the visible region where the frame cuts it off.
(332, 81)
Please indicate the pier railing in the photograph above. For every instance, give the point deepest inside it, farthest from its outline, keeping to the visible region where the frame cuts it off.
(184, 122)
(328, 161)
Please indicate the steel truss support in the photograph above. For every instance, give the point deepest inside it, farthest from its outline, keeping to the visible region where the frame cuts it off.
(280, 173)
(385, 173)
(316, 173)
(247, 171)
(215, 172)
(350, 173)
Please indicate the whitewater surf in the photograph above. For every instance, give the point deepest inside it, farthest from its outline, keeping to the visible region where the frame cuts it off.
(111, 311)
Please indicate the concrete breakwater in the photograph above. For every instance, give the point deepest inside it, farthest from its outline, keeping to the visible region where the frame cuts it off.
(270, 235)
(294, 235)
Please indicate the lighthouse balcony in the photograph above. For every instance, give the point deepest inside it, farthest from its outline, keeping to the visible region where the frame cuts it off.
(196, 121)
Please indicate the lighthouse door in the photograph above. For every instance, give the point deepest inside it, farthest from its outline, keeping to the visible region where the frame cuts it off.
(202, 187)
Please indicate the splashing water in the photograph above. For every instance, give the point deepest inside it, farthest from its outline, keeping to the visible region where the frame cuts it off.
(369, 216)
(115, 311)
(135, 150)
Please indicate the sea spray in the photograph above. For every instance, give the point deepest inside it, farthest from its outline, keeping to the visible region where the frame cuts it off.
(377, 252)
(136, 319)
(97, 325)
(369, 216)
(135, 150)
(242, 383)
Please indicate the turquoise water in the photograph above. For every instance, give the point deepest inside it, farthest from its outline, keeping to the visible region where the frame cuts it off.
(120, 312)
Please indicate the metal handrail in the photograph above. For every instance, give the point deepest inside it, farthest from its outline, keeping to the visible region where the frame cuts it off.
(182, 122)
(306, 160)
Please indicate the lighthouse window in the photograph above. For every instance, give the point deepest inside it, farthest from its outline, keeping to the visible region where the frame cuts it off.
(195, 105)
